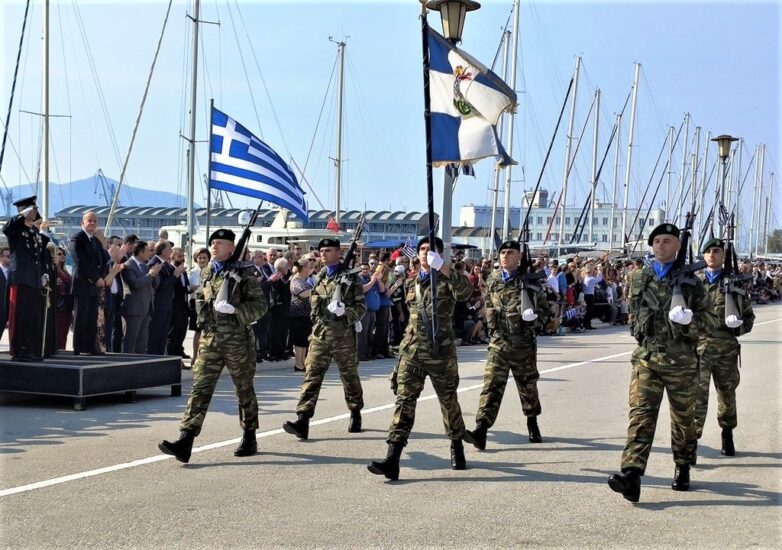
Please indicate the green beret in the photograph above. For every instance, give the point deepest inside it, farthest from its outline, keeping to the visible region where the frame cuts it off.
(224, 234)
(328, 242)
(714, 242)
(438, 244)
(513, 245)
(663, 229)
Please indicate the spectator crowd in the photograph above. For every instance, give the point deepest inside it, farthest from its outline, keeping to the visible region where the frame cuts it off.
(137, 297)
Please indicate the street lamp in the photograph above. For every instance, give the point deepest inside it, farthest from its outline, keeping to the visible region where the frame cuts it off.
(724, 142)
(452, 13)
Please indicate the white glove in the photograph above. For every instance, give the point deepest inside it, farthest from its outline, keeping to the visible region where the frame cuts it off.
(44, 279)
(733, 322)
(680, 316)
(434, 260)
(529, 315)
(337, 308)
(224, 307)
(27, 211)
(359, 326)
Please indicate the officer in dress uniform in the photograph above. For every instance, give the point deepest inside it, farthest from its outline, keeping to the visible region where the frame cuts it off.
(228, 301)
(27, 280)
(418, 359)
(337, 304)
(719, 350)
(512, 345)
(665, 360)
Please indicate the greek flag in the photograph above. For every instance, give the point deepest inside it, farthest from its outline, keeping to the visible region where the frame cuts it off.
(241, 163)
(409, 250)
(467, 100)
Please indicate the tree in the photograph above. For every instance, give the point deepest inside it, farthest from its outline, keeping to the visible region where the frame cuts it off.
(775, 242)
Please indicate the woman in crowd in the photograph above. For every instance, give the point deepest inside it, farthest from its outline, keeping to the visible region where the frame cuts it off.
(201, 258)
(63, 301)
(300, 325)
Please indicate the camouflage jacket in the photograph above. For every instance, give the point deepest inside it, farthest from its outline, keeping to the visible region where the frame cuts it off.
(649, 304)
(244, 293)
(716, 291)
(417, 341)
(323, 321)
(503, 313)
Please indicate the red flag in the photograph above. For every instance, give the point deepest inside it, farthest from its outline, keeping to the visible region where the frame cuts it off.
(332, 225)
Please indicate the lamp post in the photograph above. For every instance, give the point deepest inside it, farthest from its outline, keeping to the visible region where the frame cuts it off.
(452, 14)
(724, 142)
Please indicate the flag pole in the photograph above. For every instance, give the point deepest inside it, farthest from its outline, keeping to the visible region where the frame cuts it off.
(209, 175)
(429, 180)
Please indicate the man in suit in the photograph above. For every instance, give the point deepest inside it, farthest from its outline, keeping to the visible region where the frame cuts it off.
(89, 268)
(180, 311)
(5, 267)
(164, 299)
(138, 282)
(261, 327)
(117, 333)
(27, 281)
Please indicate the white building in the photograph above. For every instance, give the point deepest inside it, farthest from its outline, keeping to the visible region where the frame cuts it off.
(540, 222)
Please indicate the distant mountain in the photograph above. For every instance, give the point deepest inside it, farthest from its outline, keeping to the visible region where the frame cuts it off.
(89, 192)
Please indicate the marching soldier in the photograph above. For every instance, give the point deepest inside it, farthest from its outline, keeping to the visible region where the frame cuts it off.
(337, 304)
(512, 345)
(718, 350)
(417, 359)
(228, 301)
(664, 360)
(27, 280)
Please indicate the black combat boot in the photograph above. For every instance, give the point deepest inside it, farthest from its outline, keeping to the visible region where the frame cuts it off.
(390, 466)
(354, 426)
(181, 448)
(458, 462)
(248, 445)
(300, 428)
(534, 431)
(681, 478)
(628, 483)
(728, 449)
(478, 436)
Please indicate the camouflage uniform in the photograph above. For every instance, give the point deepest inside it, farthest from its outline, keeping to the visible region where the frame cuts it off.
(335, 337)
(512, 348)
(665, 360)
(718, 354)
(416, 360)
(226, 341)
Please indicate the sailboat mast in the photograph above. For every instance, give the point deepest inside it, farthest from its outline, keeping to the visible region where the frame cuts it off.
(759, 199)
(630, 154)
(567, 154)
(769, 202)
(615, 180)
(192, 139)
(704, 183)
(736, 205)
(511, 118)
(45, 153)
(497, 167)
(685, 149)
(670, 171)
(340, 104)
(755, 200)
(594, 168)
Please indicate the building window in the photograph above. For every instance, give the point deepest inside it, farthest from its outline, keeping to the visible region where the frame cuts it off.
(605, 221)
(557, 222)
(605, 238)
(567, 221)
(540, 220)
(567, 236)
(651, 221)
(548, 219)
(539, 236)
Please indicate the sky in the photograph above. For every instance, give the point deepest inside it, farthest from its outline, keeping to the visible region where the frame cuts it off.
(718, 61)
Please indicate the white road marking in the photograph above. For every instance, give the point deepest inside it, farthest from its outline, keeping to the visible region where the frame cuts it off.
(269, 433)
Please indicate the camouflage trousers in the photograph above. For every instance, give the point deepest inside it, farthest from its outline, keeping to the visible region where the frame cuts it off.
(718, 359)
(236, 352)
(522, 362)
(342, 349)
(411, 377)
(654, 372)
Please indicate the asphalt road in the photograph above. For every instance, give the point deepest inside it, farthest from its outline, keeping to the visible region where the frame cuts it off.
(96, 478)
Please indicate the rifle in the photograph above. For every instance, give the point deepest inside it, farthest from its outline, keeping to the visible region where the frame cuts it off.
(525, 275)
(227, 289)
(733, 280)
(683, 272)
(346, 266)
